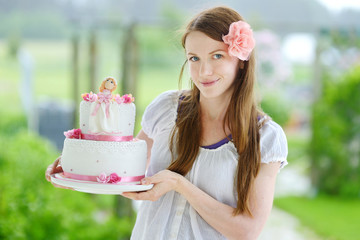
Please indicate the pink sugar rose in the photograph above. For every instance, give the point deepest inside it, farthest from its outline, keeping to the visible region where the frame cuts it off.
(114, 178)
(240, 40)
(89, 97)
(102, 178)
(128, 98)
(118, 99)
(74, 133)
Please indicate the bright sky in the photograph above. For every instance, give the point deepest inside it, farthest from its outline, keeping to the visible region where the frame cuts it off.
(337, 5)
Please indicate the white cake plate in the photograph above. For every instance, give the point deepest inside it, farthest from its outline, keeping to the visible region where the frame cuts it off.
(98, 188)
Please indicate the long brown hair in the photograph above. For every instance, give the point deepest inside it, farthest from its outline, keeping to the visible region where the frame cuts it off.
(241, 116)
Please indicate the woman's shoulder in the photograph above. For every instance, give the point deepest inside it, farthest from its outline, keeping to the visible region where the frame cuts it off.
(161, 113)
(273, 142)
(168, 97)
(269, 126)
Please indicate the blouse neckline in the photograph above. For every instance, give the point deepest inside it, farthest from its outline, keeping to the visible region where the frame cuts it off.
(218, 144)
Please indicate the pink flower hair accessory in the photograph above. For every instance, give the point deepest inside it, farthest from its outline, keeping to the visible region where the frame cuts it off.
(74, 133)
(240, 40)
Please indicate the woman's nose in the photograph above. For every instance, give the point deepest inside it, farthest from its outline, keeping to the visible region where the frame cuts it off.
(206, 69)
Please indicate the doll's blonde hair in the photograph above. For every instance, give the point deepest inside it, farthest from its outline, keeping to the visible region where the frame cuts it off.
(102, 86)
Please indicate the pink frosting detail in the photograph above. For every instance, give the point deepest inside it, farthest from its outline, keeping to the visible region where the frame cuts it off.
(103, 98)
(108, 138)
(103, 178)
(118, 99)
(114, 178)
(74, 133)
(89, 97)
(127, 98)
(240, 40)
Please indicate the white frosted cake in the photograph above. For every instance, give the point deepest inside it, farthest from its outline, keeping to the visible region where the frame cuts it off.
(103, 149)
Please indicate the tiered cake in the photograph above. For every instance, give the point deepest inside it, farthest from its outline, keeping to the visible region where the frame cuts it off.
(103, 149)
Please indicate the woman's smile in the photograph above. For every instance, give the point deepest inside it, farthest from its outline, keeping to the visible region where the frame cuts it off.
(209, 83)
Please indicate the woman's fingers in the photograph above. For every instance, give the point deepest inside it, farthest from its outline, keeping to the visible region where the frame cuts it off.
(157, 178)
(53, 168)
(150, 195)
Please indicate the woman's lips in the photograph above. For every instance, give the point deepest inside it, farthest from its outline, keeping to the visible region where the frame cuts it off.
(209, 83)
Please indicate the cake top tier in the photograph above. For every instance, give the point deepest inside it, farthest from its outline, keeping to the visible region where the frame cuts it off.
(106, 116)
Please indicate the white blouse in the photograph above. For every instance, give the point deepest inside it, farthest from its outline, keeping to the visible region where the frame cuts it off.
(171, 217)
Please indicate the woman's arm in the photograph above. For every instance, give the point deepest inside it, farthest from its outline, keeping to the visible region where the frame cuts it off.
(218, 215)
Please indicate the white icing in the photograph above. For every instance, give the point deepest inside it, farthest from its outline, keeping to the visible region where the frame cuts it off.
(92, 158)
(86, 157)
(120, 121)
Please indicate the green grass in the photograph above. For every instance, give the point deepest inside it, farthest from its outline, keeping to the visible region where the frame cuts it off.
(332, 218)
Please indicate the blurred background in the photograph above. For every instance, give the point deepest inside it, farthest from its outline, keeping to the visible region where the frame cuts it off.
(308, 57)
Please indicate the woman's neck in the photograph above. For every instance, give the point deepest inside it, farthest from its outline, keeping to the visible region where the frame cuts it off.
(214, 109)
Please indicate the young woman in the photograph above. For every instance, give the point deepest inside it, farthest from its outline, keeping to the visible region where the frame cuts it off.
(214, 155)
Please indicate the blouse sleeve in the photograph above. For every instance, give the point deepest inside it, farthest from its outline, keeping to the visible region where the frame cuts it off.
(160, 114)
(273, 144)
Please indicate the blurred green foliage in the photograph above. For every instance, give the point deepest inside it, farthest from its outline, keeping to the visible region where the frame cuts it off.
(31, 208)
(13, 43)
(330, 217)
(335, 143)
(276, 108)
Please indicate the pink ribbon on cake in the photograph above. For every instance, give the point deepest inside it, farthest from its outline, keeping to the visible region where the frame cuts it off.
(103, 98)
(95, 178)
(108, 138)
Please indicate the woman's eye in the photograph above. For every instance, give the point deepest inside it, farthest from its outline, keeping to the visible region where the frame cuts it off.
(217, 56)
(194, 59)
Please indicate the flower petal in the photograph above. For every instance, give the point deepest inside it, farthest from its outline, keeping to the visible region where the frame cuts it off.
(240, 40)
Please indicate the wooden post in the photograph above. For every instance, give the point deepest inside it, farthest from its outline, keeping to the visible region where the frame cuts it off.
(130, 60)
(75, 76)
(93, 58)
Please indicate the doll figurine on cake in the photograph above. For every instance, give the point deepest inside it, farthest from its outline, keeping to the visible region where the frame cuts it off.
(110, 116)
(104, 111)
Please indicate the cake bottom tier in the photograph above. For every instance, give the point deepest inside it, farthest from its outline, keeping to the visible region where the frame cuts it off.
(87, 159)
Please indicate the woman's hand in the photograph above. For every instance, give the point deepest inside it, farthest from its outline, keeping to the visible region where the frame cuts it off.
(164, 181)
(52, 169)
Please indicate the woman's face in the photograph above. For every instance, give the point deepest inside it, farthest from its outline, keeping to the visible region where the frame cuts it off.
(211, 68)
(109, 84)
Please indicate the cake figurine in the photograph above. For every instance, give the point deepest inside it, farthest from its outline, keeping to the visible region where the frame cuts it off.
(103, 149)
(110, 116)
(100, 120)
